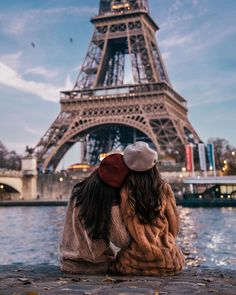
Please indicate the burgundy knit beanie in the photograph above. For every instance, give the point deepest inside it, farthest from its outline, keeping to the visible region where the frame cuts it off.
(113, 171)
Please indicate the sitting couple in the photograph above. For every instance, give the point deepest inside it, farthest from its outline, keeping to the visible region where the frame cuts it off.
(125, 201)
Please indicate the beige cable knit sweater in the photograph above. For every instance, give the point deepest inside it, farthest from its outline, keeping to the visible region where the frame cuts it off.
(79, 254)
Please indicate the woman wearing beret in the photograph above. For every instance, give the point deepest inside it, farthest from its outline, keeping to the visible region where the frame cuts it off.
(151, 218)
(93, 219)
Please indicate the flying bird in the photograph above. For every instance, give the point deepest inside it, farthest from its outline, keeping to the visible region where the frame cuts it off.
(32, 44)
(71, 40)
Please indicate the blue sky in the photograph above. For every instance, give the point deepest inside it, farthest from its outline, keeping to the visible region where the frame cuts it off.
(197, 39)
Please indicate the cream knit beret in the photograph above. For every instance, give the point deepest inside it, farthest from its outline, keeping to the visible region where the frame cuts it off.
(139, 156)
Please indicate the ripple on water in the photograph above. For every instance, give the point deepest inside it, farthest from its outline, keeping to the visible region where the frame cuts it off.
(208, 237)
(30, 235)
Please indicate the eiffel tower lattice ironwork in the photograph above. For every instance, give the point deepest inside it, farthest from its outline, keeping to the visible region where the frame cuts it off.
(105, 111)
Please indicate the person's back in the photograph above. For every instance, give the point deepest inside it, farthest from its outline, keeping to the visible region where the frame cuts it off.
(150, 215)
(93, 219)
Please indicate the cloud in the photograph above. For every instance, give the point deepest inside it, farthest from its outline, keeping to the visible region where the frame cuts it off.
(176, 5)
(11, 78)
(68, 10)
(41, 72)
(175, 40)
(11, 60)
(171, 22)
(181, 13)
(33, 131)
(212, 100)
(166, 55)
(15, 23)
(209, 90)
(212, 39)
(69, 84)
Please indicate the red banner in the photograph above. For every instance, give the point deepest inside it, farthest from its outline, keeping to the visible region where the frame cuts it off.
(189, 158)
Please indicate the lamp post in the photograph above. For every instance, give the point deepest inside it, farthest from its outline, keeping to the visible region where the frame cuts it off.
(60, 187)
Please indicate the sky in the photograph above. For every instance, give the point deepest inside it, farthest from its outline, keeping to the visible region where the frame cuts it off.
(197, 39)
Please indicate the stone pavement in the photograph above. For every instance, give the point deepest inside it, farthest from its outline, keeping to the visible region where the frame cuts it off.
(47, 279)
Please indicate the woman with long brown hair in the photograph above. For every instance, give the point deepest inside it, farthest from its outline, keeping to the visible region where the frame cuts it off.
(93, 219)
(151, 218)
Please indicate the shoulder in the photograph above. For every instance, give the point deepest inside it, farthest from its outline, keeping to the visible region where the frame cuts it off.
(167, 190)
(167, 194)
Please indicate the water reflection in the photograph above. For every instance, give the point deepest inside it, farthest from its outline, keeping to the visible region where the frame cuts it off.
(30, 235)
(208, 236)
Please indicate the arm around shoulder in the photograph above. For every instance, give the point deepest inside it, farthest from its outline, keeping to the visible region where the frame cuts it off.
(119, 236)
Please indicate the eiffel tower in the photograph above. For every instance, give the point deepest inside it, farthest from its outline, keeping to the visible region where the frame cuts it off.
(106, 112)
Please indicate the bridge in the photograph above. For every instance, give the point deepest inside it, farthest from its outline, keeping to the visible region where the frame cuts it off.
(15, 185)
(10, 184)
(27, 185)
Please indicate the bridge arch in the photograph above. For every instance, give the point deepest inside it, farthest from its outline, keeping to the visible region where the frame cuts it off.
(11, 183)
(10, 188)
(75, 131)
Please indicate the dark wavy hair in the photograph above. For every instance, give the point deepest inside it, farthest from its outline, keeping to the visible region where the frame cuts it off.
(95, 199)
(145, 194)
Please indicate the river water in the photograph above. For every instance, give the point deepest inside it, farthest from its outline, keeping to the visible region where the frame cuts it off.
(30, 235)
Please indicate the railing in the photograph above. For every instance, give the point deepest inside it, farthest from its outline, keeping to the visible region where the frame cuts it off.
(121, 91)
(12, 173)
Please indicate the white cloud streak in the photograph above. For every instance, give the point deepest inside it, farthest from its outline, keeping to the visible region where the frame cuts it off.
(33, 131)
(211, 97)
(175, 40)
(12, 60)
(68, 84)
(11, 78)
(40, 71)
(213, 39)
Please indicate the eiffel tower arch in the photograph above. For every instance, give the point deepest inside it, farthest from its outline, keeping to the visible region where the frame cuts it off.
(101, 98)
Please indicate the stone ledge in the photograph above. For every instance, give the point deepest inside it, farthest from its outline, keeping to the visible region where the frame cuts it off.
(47, 279)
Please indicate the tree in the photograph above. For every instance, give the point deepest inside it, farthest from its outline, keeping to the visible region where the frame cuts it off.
(225, 155)
(9, 160)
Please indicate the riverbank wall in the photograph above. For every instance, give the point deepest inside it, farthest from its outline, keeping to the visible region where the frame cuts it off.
(58, 186)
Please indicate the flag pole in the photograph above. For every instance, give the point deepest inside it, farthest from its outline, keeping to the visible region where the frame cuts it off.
(213, 158)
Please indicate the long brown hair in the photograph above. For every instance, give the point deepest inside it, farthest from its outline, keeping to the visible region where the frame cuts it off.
(145, 194)
(95, 199)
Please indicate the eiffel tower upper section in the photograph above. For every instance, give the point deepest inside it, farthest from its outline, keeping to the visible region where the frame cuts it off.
(122, 27)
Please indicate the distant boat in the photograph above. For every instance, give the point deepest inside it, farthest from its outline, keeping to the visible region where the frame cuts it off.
(212, 191)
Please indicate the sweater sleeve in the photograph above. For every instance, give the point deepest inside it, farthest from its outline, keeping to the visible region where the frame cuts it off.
(172, 214)
(118, 233)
